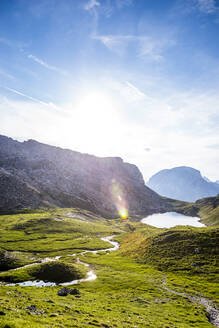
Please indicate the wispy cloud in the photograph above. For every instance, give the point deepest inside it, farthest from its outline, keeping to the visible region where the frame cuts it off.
(6, 42)
(206, 6)
(154, 48)
(146, 46)
(46, 65)
(123, 3)
(127, 91)
(138, 92)
(19, 45)
(176, 126)
(91, 4)
(50, 104)
(190, 6)
(115, 43)
(7, 75)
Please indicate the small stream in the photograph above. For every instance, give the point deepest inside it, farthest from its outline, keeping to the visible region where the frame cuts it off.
(90, 274)
(210, 309)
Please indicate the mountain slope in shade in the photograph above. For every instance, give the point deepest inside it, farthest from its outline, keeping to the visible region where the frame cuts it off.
(183, 183)
(35, 174)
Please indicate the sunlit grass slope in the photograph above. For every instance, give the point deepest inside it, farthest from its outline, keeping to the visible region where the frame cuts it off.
(125, 294)
(45, 233)
(209, 210)
(180, 248)
(206, 208)
(129, 290)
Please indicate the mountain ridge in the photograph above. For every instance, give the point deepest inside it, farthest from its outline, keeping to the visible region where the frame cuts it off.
(183, 183)
(34, 174)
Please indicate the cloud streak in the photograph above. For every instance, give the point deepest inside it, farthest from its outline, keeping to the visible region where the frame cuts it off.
(91, 4)
(32, 98)
(5, 74)
(146, 46)
(207, 6)
(123, 3)
(46, 65)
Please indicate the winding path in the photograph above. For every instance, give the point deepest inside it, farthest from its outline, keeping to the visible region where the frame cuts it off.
(210, 309)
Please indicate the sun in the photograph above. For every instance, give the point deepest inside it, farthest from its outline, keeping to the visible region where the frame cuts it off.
(94, 123)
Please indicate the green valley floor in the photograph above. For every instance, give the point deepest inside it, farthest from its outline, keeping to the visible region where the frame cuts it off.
(135, 286)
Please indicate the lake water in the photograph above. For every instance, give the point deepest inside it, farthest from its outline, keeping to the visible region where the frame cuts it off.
(171, 219)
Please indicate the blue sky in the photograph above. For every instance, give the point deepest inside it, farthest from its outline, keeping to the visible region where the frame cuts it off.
(137, 79)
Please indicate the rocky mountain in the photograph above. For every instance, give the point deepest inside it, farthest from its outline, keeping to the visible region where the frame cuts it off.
(36, 175)
(183, 183)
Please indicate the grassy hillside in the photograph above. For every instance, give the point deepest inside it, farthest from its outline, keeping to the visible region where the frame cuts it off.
(180, 248)
(206, 208)
(209, 210)
(130, 289)
(44, 233)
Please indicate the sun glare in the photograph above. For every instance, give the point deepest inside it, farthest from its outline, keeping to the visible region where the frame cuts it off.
(94, 123)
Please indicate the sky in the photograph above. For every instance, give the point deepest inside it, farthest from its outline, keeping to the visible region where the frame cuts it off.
(138, 79)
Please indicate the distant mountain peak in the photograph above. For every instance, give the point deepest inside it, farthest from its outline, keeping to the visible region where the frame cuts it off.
(183, 183)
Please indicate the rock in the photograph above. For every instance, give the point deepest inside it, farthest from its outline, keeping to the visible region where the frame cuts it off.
(74, 291)
(31, 171)
(63, 291)
(77, 311)
(183, 183)
(49, 301)
(197, 251)
(2, 313)
(53, 315)
(31, 308)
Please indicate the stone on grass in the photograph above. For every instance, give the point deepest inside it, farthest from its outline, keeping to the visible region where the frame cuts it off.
(65, 291)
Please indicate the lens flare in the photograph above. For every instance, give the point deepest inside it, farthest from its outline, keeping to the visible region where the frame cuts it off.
(123, 213)
(118, 198)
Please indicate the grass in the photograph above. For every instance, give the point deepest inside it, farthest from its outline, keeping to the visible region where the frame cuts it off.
(180, 248)
(10, 260)
(126, 294)
(56, 271)
(129, 291)
(45, 233)
(209, 210)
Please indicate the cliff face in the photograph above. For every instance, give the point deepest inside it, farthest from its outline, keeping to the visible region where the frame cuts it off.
(35, 174)
(183, 183)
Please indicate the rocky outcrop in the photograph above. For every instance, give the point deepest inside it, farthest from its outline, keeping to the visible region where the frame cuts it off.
(35, 175)
(183, 183)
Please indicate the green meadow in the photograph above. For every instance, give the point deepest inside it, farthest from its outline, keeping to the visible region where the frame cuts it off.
(131, 289)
